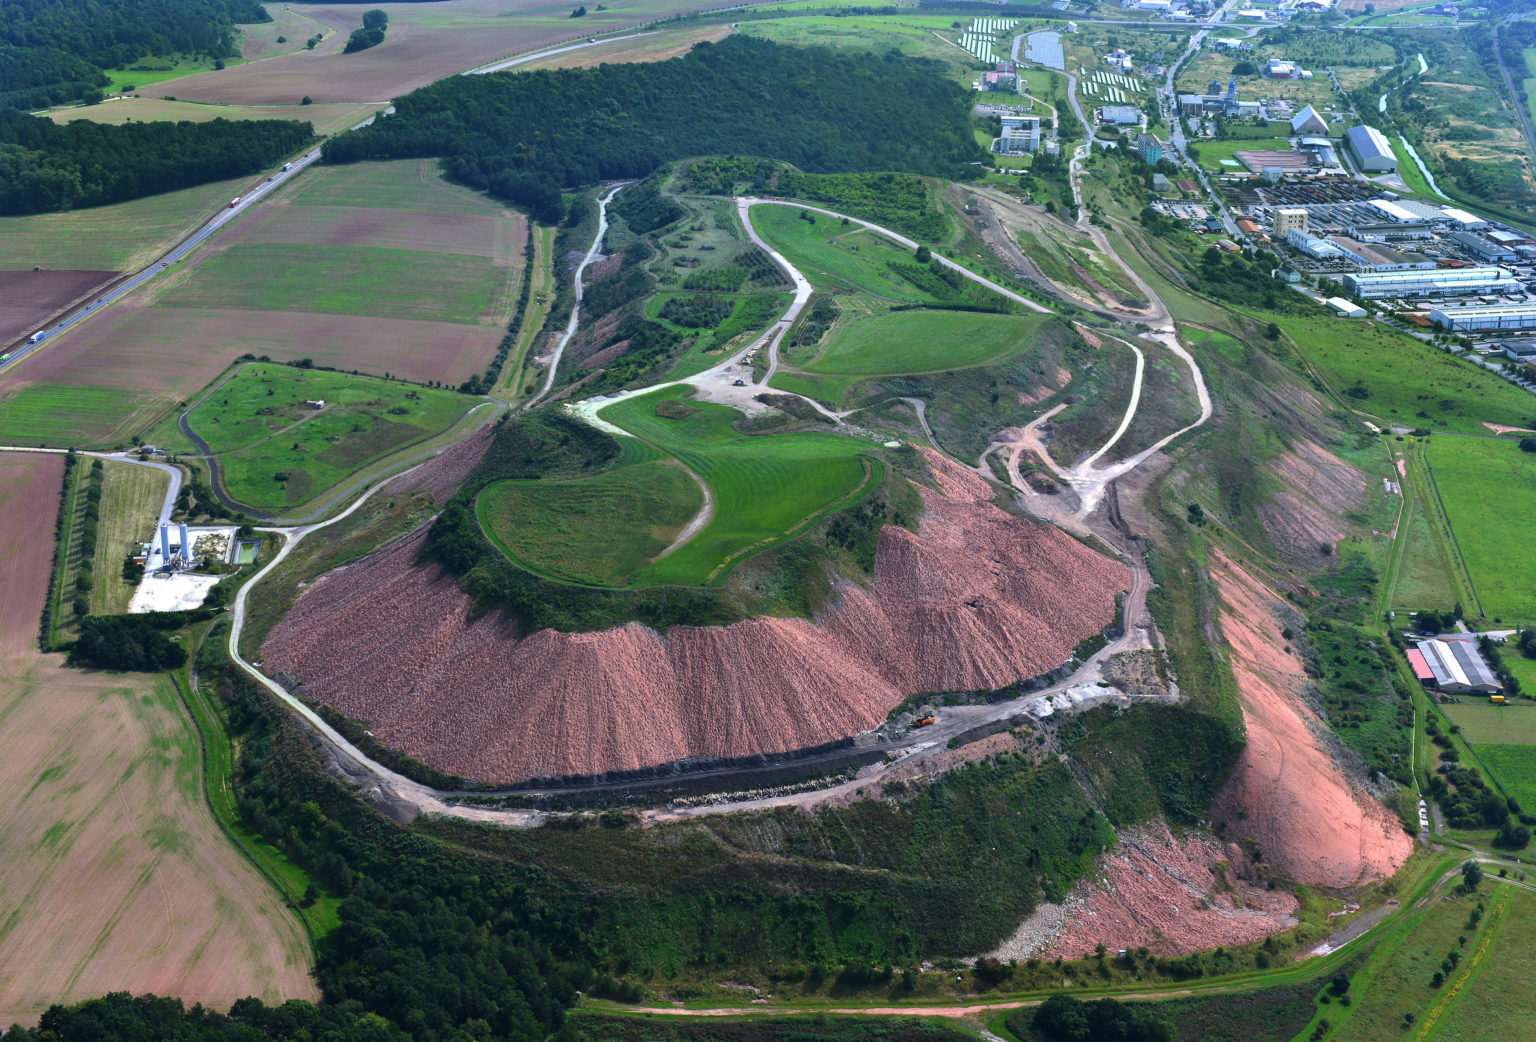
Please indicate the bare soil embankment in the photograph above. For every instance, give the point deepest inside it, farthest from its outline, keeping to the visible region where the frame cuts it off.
(1171, 895)
(977, 600)
(1313, 822)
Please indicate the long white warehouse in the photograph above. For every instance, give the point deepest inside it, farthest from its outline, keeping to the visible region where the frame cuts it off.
(1488, 318)
(1435, 282)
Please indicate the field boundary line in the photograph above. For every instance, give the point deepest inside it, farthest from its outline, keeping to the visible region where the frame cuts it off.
(69, 509)
(206, 767)
(1461, 558)
(1427, 1025)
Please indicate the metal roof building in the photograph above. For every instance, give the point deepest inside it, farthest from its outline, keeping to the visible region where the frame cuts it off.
(1371, 149)
(1123, 115)
(1437, 282)
(1487, 318)
(1484, 248)
(1457, 666)
(1307, 121)
(1463, 218)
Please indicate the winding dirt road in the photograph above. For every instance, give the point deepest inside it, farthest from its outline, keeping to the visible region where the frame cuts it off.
(570, 327)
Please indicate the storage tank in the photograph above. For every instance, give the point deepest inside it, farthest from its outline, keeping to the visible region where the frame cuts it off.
(186, 542)
(165, 544)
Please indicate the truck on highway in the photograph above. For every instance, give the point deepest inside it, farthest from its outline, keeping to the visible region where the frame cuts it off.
(38, 336)
(287, 166)
(234, 202)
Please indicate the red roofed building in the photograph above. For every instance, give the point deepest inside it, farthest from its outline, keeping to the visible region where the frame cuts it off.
(1420, 667)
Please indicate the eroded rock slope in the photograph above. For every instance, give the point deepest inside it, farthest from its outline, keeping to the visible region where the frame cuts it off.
(977, 600)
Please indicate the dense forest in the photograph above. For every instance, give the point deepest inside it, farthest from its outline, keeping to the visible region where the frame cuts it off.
(525, 136)
(52, 51)
(44, 166)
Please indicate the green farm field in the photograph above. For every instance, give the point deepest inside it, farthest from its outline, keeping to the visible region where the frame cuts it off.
(58, 414)
(1407, 383)
(1424, 580)
(919, 342)
(1397, 977)
(401, 184)
(1513, 767)
(1486, 484)
(121, 237)
(598, 531)
(767, 488)
(349, 280)
(276, 452)
(1492, 1005)
(1481, 722)
(131, 497)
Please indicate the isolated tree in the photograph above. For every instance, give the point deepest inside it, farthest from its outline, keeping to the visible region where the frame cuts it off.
(1471, 875)
(923, 255)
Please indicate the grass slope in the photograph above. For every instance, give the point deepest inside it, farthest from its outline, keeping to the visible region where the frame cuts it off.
(1487, 484)
(260, 428)
(597, 531)
(920, 342)
(1407, 383)
(766, 487)
(834, 257)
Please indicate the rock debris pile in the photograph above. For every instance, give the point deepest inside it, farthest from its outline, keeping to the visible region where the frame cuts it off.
(978, 600)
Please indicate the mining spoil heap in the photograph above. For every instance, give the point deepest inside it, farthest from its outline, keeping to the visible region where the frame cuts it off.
(976, 601)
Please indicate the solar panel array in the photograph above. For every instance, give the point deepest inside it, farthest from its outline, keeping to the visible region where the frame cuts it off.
(980, 38)
(1110, 87)
(1045, 47)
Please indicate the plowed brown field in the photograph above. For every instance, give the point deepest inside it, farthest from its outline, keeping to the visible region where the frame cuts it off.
(115, 876)
(28, 298)
(1314, 824)
(425, 43)
(978, 600)
(157, 357)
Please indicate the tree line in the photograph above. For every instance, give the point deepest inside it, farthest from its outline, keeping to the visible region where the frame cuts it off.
(53, 51)
(45, 166)
(525, 136)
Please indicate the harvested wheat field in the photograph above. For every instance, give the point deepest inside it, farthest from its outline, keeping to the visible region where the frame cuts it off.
(652, 47)
(29, 298)
(978, 600)
(1287, 792)
(326, 119)
(115, 875)
(425, 43)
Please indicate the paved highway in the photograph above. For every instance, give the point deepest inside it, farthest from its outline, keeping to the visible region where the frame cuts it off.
(186, 246)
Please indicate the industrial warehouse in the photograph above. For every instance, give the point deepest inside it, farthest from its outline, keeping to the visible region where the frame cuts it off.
(1485, 318)
(1453, 666)
(1435, 282)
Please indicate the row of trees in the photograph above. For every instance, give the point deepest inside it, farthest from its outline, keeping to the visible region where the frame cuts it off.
(525, 136)
(44, 166)
(54, 50)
